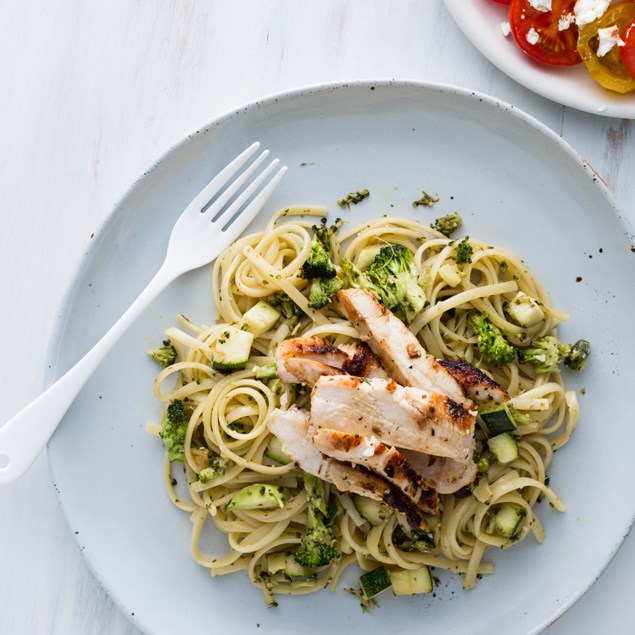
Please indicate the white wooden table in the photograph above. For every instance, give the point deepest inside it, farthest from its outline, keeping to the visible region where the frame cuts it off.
(92, 93)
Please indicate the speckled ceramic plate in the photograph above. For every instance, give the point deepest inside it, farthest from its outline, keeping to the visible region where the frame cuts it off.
(480, 21)
(516, 184)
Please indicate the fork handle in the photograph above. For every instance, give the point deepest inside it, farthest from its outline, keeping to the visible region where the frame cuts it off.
(25, 435)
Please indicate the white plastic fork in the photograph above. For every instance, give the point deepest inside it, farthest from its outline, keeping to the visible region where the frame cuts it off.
(200, 234)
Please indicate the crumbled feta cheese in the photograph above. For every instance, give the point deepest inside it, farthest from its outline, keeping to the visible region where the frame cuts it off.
(505, 28)
(608, 38)
(541, 5)
(565, 21)
(587, 11)
(532, 36)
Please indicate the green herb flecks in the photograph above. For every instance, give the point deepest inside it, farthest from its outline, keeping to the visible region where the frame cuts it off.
(426, 200)
(353, 198)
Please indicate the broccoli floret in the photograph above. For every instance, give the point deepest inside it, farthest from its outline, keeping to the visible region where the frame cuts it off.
(419, 540)
(352, 274)
(216, 468)
(285, 305)
(322, 290)
(165, 355)
(546, 353)
(577, 356)
(173, 431)
(447, 224)
(317, 548)
(289, 309)
(482, 462)
(464, 252)
(490, 341)
(353, 198)
(392, 278)
(319, 263)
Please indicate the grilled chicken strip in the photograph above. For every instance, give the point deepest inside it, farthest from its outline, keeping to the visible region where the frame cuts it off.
(443, 474)
(301, 370)
(305, 360)
(379, 458)
(363, 362)
(478, 386)
(399, 350)
(402, 417)
(292, 428)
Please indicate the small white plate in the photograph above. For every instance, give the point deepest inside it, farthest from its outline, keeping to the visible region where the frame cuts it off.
(517, 184)
(480, 21)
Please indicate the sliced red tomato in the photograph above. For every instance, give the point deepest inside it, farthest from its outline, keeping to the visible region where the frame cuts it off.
(501, 1)
(537, 33)
(628, 50)
(609, 70)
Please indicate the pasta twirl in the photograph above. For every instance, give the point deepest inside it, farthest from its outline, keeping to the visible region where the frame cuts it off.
(227, 412)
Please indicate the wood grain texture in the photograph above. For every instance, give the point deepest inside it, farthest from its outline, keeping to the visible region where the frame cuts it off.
(94, 93)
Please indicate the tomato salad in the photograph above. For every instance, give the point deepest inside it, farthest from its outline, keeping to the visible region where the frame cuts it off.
(567, 32)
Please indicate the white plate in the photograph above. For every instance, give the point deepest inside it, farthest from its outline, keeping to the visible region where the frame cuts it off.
(516, 184)
(480, 21)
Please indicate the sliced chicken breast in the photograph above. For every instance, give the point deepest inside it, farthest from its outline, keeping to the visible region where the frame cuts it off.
(303, 360)
(478, 386)
(363, 362)
(407, 417)
(399, 350)
(301, 370)
(292, 428)
(445, 475)
(381, 459)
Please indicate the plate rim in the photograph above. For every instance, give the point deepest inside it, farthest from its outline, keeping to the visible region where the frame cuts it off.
(62, 313)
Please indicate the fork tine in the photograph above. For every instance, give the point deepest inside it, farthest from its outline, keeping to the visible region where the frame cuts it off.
(239, 221)
(228, 212)
(215, 210)
(205, 195)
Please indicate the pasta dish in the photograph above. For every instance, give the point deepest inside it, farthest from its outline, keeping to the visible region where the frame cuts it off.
(381, 396)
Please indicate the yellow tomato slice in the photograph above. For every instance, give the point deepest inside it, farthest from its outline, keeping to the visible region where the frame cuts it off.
(608, 70)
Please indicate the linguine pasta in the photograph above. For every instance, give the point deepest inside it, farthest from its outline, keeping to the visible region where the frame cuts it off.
(227, 412)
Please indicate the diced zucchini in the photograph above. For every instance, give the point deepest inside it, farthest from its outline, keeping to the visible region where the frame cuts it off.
(260, 318)
(275, 452)
(259, 496)
(231, 350)
(277, 562)
(499, 419)
(451, 274)
(268, 371)
(508, 520)
(367, 255)
(410, 581)
(525, 310)
(373, 511)
(482, 492)
(374, 582)
(503, 447)
(277, 388)
(491, 522)
(295, 570)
